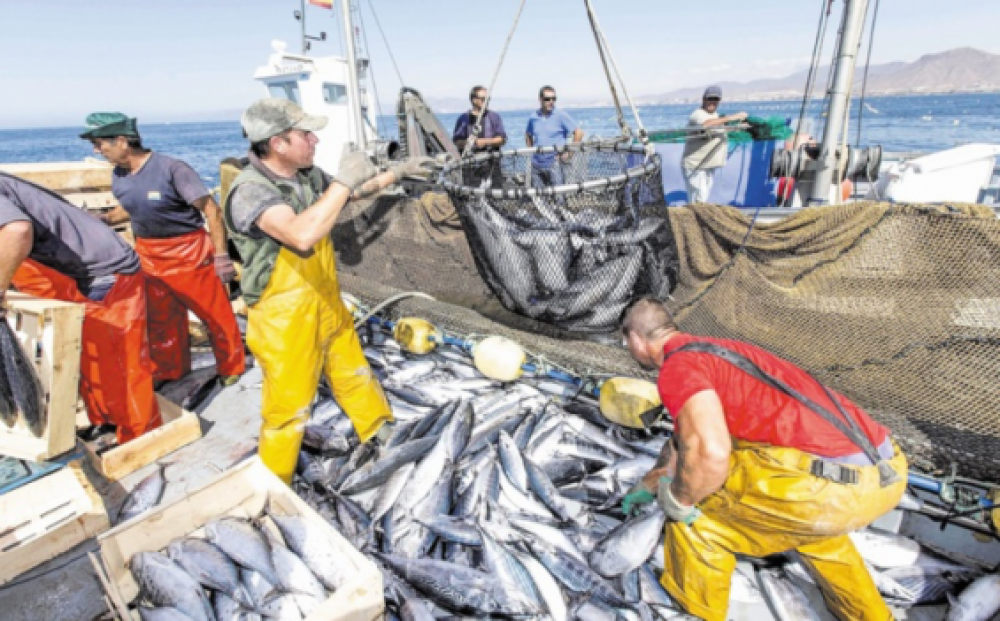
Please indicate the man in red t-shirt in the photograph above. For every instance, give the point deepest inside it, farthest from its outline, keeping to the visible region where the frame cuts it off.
(756, 468)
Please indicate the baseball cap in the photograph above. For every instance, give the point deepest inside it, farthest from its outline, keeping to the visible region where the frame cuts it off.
(272, 115)
(712, 91)
(108, 125)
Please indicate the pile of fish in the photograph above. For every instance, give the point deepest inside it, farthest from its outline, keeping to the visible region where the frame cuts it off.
(241, 570)
(504, 500)
(21, 393)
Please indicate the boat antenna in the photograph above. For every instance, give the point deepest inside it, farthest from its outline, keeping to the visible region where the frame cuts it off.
(300, 16)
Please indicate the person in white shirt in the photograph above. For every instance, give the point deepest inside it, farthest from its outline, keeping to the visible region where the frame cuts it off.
(706, 151)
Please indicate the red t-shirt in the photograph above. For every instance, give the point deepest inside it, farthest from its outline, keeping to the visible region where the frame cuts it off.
(754, 411)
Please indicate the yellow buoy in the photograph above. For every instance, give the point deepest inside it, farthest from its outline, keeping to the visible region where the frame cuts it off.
(630, 402)
(498, 358)
(417, 336)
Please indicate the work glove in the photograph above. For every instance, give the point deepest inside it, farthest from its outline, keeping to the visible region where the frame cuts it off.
(636, 498)
(419, 166)
(224, 268)
(675, 511)
(355, 169)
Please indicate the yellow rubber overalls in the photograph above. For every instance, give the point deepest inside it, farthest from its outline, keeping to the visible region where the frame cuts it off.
(769, 504)
(299, 328)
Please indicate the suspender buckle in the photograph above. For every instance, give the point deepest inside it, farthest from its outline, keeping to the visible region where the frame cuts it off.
(835, 472)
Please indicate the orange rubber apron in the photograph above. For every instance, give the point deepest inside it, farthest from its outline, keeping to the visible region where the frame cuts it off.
(180, 275)
(116, 382)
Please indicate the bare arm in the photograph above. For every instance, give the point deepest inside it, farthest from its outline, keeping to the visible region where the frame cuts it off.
(577, 135)
(16, 240)
(301, 232)
(722, 120)
(216, 228)
(704, 447)
(528, 140)
(114, 216)
(665, 466)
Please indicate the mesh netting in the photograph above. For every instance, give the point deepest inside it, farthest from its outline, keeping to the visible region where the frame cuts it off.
(566, 237)
(896, 306)
(760, 128)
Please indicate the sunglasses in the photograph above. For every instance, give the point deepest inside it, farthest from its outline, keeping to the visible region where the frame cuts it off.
(548, 98)
(712, 100)
(477, 98)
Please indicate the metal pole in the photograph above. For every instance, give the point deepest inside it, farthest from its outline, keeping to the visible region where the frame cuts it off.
(303, 20)
(352, 75)
(840, 92)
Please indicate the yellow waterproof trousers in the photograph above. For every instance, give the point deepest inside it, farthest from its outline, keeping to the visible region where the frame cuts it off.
(770, 504)
(298, 329)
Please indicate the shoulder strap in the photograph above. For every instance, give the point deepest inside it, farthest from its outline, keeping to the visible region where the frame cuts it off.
(846, 425)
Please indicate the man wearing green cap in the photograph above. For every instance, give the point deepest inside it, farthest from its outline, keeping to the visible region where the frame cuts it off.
(186, 267)
(280, 211)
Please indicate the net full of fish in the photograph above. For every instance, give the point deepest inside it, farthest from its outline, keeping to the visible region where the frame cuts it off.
(504, 500)
(276, 566)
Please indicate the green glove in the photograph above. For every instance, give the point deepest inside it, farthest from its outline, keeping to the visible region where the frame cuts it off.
(635, 499)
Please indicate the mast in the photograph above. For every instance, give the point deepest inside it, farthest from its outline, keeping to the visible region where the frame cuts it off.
(840, 92)
(354, 91)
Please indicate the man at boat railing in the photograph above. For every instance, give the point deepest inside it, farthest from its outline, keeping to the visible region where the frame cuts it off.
(706, 151)
(491, 137)
(764, 459)
(550, 127)
(185, 266)
(52, 249)
(280, 211)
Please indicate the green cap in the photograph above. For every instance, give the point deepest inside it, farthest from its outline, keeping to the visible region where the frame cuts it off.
(108, 125)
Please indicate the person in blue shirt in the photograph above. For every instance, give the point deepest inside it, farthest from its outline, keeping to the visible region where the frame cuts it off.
(548, 127)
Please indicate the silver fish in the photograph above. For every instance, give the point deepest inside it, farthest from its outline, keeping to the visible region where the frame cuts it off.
(978, 602)
(297, 579)
(629, 545)
(243, 543)
(165, 584)
(786, 601)
(210, 566)
(280, 607)
(304, 538)
(146, 494)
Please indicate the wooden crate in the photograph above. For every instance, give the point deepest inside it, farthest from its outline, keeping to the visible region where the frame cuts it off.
(64, 176)
(242, 491)
(49, 331)
(47, 517)
(180, 428)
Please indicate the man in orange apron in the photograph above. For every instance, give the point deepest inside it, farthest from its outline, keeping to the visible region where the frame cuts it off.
(280, 211)
(186, 268)
(764, 459)
(51, 249)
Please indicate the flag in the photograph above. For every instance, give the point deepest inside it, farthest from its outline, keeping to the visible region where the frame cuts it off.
(326, 4)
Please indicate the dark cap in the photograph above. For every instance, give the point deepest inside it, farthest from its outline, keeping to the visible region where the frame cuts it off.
(273, 115)
(712, 92)
(109, 125)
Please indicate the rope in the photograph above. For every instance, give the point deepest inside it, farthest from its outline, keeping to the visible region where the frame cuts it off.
(643, 135)
(864, 81)
(622, 123)
(378, 102)
(825, 7)
(371, 5)
(470, 142)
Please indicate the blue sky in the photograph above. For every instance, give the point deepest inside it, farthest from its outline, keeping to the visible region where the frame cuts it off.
(176, 60)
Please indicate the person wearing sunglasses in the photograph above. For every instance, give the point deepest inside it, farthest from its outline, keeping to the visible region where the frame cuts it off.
(491, 136)
(549, 127)
(705, 151)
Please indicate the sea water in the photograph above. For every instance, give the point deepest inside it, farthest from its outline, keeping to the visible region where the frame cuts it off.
(910, 124)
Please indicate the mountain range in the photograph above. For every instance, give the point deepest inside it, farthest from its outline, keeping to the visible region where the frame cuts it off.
(961, 70)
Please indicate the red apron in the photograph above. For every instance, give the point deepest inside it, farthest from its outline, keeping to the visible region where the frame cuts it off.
(180, 275)
(116, 382)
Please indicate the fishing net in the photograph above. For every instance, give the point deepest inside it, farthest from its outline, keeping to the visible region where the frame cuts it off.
(760, 129)
(566, 236)
(896, 306)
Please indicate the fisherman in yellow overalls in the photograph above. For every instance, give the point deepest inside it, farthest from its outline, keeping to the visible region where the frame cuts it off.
(280, 211)
(764, 459)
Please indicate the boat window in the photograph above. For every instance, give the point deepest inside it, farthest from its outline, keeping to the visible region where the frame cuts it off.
(284, 90)
(335, 93)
